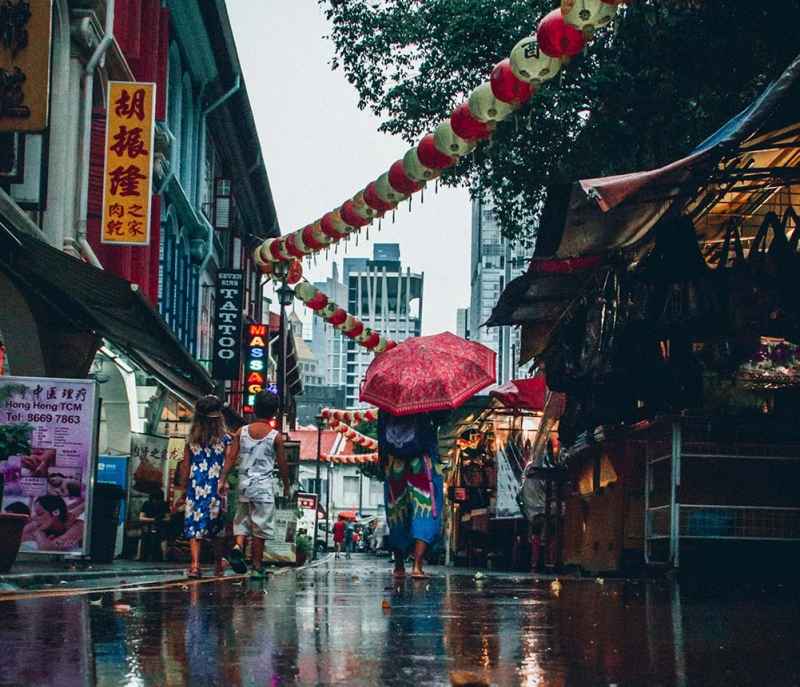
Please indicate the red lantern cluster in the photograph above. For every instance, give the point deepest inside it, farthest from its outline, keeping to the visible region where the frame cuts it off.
(350, 326)
(512, 83)
(350, 417)
(357, 438)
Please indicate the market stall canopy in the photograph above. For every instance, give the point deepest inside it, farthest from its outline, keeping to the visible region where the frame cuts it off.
(744, 170)
(96, 301)
(751, 152)
(527, 394)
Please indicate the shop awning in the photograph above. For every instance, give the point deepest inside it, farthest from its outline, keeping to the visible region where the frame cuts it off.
(103, 304)
(748, 154)
(745, 169)
(523, 394)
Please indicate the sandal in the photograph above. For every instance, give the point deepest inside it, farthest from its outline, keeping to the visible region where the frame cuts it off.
(194, 574)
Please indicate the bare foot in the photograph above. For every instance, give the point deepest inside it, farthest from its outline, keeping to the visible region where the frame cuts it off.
(399, 573)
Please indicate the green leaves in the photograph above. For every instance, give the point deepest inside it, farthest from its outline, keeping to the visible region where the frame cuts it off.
(15, 439)
(649, 88)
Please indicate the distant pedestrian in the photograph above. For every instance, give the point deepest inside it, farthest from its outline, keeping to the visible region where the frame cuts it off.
(338, 536)
(203, 458)
(413, 487)
(349, 533)
(254, 451)
(153, 518)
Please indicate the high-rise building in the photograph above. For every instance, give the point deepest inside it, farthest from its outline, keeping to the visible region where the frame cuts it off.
(328, 345)
(494, 262)
(462, 322)
(387, 298)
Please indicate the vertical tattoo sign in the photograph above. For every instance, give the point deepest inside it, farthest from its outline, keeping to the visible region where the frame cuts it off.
(228, 325)
(128, 173)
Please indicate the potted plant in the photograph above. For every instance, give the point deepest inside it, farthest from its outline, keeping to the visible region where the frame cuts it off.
(302, 548)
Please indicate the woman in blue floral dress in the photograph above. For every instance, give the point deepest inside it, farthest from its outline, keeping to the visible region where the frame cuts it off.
(203, 459)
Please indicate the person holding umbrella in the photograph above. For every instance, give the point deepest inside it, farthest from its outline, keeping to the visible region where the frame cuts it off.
(410, 384)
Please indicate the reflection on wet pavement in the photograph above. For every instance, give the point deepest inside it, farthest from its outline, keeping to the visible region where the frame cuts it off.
(328, 625)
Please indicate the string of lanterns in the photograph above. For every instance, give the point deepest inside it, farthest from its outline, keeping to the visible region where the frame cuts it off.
(340, 319)
(561, 35)
(350, 417)
(355, 459)
(356, 437)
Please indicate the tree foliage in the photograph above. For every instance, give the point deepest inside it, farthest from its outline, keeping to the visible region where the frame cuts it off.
(664, 76)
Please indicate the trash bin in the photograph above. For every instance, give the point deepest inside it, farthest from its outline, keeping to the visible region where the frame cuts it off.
(105, 520)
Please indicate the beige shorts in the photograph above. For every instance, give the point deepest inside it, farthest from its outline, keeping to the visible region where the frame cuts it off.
(254, 519)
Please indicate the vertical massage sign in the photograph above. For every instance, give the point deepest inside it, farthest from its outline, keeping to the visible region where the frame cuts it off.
(47, 430)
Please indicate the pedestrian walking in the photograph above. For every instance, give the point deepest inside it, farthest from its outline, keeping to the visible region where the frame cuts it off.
(203, 459)
(413, 487)
(254, 451)
(349, 533)
(338, 537)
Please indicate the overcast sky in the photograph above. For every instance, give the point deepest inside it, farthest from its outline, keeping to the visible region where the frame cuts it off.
(320, 150)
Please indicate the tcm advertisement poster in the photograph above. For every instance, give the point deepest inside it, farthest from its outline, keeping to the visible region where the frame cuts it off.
(50, 481)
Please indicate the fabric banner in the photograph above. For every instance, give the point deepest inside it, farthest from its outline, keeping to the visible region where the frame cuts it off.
(148, 466)
(52, 481)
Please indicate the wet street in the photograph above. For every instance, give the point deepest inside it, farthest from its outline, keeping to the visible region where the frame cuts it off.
(347, 623)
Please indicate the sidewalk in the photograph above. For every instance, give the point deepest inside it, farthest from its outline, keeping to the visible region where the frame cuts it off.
(37, 574)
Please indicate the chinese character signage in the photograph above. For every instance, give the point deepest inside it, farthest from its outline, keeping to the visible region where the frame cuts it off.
(25, 30)
(307, 501)
(228, 325)
(51, 481)
(128, 173)
(148, 465)
(256, 366)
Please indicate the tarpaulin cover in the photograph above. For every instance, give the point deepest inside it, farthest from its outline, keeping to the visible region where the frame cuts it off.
(524, 394)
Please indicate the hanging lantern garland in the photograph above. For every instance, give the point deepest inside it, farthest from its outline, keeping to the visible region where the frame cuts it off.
(561, 35)
(350, 417)
(354, 436)
(360, 459)
(340, 319)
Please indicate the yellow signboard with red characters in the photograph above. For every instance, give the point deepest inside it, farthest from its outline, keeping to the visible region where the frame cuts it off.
(128, 172)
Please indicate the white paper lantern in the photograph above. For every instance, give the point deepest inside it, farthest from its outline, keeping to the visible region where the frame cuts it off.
(587, 15)
(485, 107)
(386, 192)
(531, 64)
(449, 142)
(415, 170)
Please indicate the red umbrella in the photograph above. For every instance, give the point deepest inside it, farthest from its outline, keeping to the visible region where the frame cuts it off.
(428, 373)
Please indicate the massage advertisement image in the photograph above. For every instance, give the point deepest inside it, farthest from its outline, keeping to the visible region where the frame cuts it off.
(48, 478)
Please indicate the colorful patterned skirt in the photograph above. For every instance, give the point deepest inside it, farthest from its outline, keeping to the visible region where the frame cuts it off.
(414, 501)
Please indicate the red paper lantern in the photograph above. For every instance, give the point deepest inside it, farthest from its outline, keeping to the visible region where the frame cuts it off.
(507, 87)
(338, 317)
(291, 247)
(350, 215)
(326, 413)
(431, 156)
(319, 301)
(295, 272)
(372, 341)
(558, 39)
(466, 126)
(329, 226)
(372, 199)
(276, 250)
(309, 240)
(400, 180)
(358, 327)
